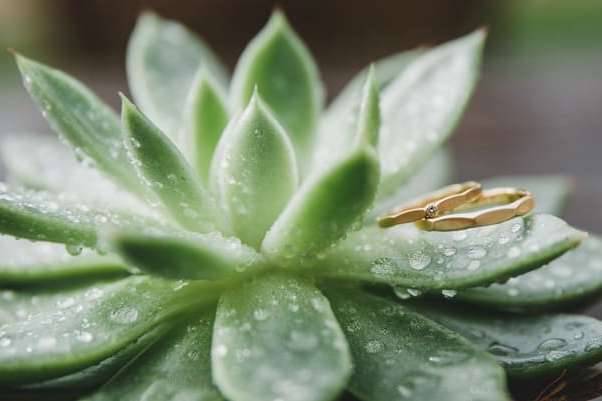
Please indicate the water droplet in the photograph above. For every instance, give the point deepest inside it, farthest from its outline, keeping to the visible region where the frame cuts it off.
(84, 336)
(516, 227)
(260, 314)
(124, 315)
(74, 250)
(65, 302)
(418, 260)
(476, 252)
(5, 342)
(551, 344)
(374, 347)
(449, 293)
(579, 335)
(502, 349)
(449, 251)
(553, 356)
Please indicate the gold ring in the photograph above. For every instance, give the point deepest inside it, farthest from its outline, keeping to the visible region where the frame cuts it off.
(434, 204)
(512, 202)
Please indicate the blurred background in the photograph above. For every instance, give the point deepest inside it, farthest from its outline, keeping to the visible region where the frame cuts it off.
(537, 109)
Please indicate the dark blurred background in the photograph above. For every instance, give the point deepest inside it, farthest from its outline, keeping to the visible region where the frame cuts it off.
(537, 109)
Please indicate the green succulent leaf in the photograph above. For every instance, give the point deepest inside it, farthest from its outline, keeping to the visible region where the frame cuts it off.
(32, 263)
(276, 338)
(42, 162)
(436, 173)
(254, 172)
(324, 209)
(423, 104)
(163, 58)
(277, 63)
(385, 71)
(574, 277)
(84, 327)
(188, 256)
(362, 129)
(551, 192)
(165, 173)
(176, 368)
(399, 354)
(81, 119)
(412, 258)
(205, 118)
(527, 346)
(41, 216)
(100, 373)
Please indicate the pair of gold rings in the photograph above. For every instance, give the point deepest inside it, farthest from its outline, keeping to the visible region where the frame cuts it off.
(462, 206)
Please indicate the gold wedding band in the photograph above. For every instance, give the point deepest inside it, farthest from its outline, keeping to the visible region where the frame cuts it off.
(433, 205)
(512, 202)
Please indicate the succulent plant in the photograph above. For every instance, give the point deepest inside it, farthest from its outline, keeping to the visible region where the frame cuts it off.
(220, 241)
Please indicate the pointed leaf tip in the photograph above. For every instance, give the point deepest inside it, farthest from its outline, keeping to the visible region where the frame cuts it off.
(278, 62)
(162, 169)
(255, 172)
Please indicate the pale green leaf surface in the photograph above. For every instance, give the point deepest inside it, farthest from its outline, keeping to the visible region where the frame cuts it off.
(527, 346)
(188, 256)
(362, 128)
(29, 263)
(42, 162)
(385, 70)
(205, 118)
(41, 216)
(100, 373)
(411, 258)
(278, 64)
(436, 173)
(551, 192)
(276, 338)
(324, 209)
(176, 368)
(575, 276)
(401, 355)
(254, 173)
(84, 327)
(421, 107)
(81, 119)
(165, 173)
(163, 58)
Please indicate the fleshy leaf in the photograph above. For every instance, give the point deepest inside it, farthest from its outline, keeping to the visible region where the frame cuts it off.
(188, 256)
(527, 346)
(324, 209)
(363, 127)
(551, 192)
(78, 329)
(177, 368)
(399, 354)
(421, 107)
(435, 174)
(254, 172)
(385, 70)
(42, 216)
(277, 62)
(576, 276)
(412, 258)
(163, 58)
(81, 119)
(205, 118)
(42, 162)
(165, 173)
(276, 338)
(26, 263)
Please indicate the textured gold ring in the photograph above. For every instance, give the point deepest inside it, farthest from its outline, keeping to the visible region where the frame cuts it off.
(433, 205)
(511, 202)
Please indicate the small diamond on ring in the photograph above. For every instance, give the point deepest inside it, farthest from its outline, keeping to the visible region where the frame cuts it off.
(431, 211)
